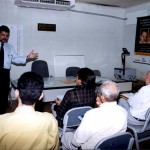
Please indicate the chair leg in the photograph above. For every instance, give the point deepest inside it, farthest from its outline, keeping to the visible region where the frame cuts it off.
(136, 141)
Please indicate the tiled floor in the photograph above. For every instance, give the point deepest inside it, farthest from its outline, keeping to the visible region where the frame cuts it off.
(46, 108)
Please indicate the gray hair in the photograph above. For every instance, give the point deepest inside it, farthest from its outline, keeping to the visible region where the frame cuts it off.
(110, 90)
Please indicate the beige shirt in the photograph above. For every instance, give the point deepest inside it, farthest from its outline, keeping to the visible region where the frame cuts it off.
(27, 129)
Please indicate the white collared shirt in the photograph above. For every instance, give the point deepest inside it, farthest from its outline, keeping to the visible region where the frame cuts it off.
(10, 56)
(140, 102)
(100, 123)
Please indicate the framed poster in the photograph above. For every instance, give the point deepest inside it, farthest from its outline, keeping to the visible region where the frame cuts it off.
(142, 41)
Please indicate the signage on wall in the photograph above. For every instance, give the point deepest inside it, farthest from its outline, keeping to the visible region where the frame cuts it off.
(46, 27)
(142, 41)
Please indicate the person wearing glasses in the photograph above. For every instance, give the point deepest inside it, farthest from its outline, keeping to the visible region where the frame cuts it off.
(98, 123)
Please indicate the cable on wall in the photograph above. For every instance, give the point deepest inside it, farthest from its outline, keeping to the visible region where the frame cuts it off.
(91, 13)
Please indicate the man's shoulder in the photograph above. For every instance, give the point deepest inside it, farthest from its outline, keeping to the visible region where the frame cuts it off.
(126, 96)
(6, 115)
(92, 111)
(46, 116)
(8, 45)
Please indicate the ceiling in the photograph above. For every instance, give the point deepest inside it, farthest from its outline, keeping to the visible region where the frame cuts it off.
(115, 3)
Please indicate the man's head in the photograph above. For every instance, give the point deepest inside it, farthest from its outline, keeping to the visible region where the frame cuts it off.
(30, 87)
(147, 79)
(86, 76)
(107, 92)
(4, 34)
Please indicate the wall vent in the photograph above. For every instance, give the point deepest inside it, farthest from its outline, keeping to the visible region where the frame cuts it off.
(46, 4)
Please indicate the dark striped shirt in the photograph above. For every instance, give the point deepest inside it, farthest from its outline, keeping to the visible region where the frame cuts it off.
(77, 97)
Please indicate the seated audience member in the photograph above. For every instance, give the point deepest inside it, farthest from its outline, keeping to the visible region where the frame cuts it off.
(138, 103)
(105, 120)
(26, 128)
(82, 95)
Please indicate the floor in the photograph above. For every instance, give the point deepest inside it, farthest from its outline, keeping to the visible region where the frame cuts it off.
(46, 108)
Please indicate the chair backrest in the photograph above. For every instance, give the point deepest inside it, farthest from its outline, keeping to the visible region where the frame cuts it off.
(97, 73)
(73, 117)
(40, 67)
(72, 71)
(141, 132)
(119, 141)
(147, 121)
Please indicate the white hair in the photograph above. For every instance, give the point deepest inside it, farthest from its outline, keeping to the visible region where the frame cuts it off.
(110, 90)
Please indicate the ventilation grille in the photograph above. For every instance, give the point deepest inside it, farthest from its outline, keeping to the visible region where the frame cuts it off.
(58, 2)
(46, 4)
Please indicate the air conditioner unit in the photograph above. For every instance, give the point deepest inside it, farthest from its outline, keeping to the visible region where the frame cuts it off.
(46, 4)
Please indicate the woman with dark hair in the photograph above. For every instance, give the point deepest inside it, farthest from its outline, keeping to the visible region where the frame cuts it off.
(82, 95)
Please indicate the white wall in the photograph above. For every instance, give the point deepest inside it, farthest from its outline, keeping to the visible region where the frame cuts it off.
(96, 35)
(129, 37)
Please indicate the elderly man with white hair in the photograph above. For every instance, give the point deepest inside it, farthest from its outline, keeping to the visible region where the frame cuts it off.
(105, 120)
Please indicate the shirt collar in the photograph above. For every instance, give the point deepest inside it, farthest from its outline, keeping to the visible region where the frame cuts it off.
(24, 109)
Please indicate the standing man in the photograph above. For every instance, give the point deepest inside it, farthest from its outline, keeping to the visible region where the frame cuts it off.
(8, 56)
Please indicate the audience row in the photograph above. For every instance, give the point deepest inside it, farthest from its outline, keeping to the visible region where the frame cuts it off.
(26, 128)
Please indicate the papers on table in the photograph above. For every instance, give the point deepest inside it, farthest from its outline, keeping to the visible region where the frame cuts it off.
(60, 97)
(101, 79)
(126, 96)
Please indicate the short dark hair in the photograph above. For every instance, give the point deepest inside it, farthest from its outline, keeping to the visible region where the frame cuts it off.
(30, 86)
(87, 77)
(4, 28)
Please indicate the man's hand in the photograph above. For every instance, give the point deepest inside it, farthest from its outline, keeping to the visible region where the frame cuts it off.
(57, 101)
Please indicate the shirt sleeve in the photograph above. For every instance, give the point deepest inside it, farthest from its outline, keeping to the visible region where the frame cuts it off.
(64, 105)
(53, 140)
(10, 56)
(18, 59)
(136, 98)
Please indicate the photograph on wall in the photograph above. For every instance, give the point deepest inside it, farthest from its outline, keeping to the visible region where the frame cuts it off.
(142, 41)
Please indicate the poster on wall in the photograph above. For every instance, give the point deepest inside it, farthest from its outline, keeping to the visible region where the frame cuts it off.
(142, 41)
(16, 37)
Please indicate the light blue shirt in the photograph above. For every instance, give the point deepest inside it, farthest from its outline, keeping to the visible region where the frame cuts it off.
(10, 56)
